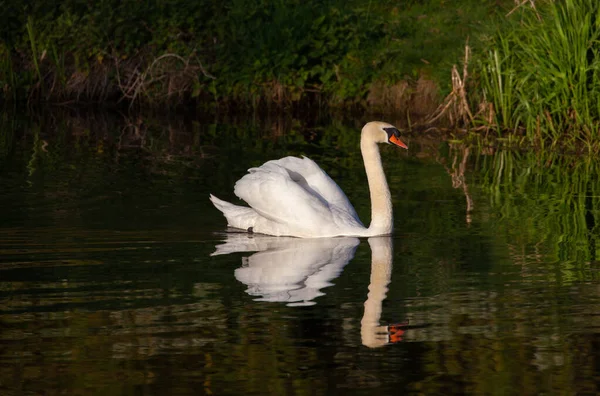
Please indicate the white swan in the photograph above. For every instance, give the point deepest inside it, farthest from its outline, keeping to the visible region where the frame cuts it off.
(294, 197)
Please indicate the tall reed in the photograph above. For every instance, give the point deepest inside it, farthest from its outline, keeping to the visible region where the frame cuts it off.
(498, 80)
(543, 73)
(33, 46)
(7, 74)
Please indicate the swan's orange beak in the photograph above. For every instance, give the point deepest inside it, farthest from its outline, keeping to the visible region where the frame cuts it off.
(397, 142)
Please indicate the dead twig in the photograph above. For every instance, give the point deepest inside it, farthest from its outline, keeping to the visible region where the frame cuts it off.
(521, 3)
(456, 105)
(161, 77)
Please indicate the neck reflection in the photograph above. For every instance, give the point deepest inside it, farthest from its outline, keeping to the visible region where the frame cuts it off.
(372, 334)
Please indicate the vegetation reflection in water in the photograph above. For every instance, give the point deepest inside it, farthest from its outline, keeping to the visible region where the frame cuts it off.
(107, 283)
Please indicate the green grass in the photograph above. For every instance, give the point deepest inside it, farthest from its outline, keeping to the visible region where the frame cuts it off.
(542, 73)
(32, 42)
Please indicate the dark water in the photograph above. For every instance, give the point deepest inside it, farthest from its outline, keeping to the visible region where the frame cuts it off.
(117, 276)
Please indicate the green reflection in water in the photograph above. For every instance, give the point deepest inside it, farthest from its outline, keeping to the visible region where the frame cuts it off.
(545, 201)
(107, 283)
(528, 323)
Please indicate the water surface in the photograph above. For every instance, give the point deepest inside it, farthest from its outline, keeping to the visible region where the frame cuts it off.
(117, 276)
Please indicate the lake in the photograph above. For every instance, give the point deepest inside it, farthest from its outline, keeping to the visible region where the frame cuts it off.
(119, 277)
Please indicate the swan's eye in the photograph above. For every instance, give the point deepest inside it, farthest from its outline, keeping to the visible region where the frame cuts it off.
(394, 137)
(391, 131)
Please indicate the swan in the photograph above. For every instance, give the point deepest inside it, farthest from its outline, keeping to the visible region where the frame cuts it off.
(294, 197)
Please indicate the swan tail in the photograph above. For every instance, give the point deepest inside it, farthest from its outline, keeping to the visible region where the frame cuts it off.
(237, 216)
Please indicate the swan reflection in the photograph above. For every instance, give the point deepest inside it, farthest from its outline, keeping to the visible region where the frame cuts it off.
(294, 270)
(290, 270)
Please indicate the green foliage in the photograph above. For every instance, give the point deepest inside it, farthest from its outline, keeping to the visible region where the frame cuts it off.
(543, 72)
(254, 51)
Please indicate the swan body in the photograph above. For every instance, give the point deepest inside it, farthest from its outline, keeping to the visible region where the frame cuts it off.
(295, 197)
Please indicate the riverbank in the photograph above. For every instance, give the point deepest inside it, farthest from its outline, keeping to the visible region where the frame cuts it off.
(528, 73)
(242, 53)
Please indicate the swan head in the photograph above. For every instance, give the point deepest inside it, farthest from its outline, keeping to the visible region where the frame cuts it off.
(382, 132)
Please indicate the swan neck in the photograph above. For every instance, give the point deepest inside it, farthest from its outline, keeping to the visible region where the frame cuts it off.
(381, 200)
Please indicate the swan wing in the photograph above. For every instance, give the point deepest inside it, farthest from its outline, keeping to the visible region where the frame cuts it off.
(311, 177)
(272, 193)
